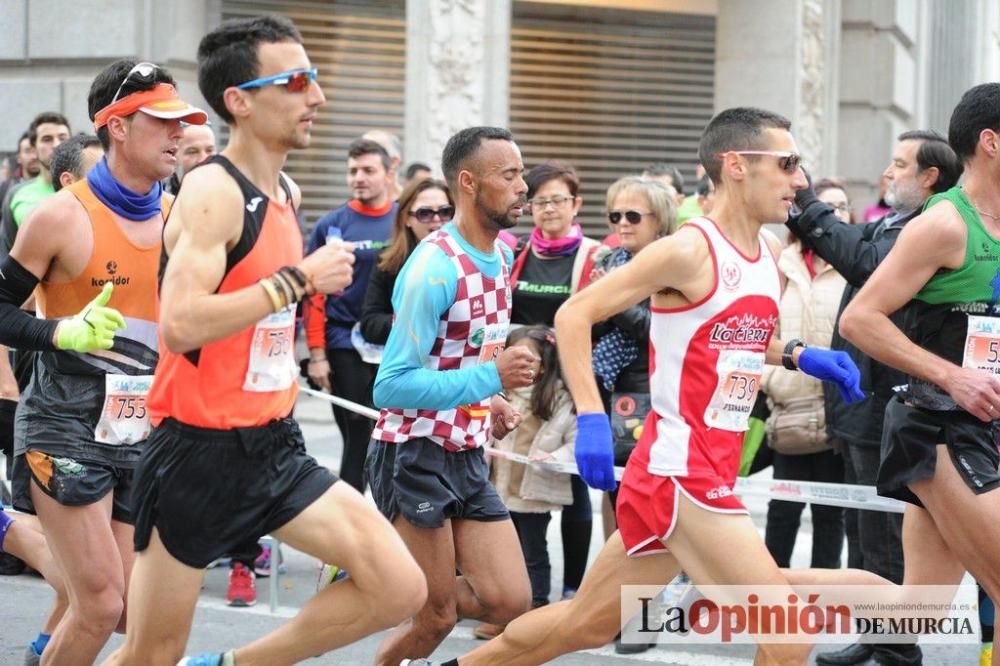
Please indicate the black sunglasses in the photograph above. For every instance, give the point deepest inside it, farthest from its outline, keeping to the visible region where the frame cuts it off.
(631, 216)
(425, 215)
(787, 161)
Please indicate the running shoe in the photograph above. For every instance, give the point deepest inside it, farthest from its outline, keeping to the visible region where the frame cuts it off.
(214, 659)
(678, 590)
(32, 659)
(10, 565)
(631, 648)
(487, 630)
(262, 565)
(330, 574)
(986, 655)
(242, 591)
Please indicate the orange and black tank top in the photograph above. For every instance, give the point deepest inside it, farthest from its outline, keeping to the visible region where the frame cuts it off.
(68, 407)
(133, 271)
(208, 387)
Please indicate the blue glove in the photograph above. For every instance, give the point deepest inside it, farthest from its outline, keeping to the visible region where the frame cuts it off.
(833, 366)
(595, 451)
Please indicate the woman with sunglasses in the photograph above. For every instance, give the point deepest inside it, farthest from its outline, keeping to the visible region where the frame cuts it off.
(639, 211)
(424, 206)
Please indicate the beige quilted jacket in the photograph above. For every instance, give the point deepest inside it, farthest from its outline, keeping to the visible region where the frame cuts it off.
(808, 312)
(529, 489)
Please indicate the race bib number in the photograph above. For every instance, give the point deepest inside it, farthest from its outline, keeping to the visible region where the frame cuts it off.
(739, 379)
(494, 341)
(272, 362)
(982, 344)
(124, 419)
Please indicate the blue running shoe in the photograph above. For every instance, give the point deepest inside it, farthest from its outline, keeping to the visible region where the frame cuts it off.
(225, 659)
(202, 660)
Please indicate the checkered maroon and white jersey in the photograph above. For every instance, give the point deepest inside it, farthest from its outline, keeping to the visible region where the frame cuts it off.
(480, 302)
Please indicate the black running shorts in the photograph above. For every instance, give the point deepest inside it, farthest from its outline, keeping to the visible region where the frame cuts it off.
(72, 482)
(909, 449)
(214, 492)
(429, 485)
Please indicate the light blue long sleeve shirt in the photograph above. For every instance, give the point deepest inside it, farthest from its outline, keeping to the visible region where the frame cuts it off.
(424, 291)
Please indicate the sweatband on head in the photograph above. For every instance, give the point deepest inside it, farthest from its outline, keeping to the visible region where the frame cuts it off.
(160, 101)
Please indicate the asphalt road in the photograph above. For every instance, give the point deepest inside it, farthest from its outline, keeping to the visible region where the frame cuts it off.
(24, 599)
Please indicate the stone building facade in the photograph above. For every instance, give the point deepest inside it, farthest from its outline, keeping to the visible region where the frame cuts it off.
(608, 85)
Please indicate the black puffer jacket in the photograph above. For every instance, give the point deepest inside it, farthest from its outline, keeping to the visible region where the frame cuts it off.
(855, 251)
(376, 313)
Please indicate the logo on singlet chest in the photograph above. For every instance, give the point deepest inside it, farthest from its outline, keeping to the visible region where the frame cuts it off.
(112, 269)
(731, 275)
(477, 306)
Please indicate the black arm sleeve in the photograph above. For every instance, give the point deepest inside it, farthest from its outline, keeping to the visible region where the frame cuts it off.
(8, 230)
(376, 313)
(18, 329)
(850, 248)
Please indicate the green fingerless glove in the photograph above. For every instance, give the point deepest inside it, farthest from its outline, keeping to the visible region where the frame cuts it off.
(93, 327)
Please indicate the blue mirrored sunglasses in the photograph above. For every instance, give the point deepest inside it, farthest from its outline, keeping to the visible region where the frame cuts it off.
(296, 80)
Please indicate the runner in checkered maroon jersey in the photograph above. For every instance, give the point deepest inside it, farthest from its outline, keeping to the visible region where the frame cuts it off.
(442, 370)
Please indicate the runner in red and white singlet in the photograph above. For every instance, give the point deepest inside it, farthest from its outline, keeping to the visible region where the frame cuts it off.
(714, 290)
(706, 361)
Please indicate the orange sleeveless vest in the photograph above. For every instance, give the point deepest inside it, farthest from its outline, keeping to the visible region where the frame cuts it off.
(133, 271)
(204, 388)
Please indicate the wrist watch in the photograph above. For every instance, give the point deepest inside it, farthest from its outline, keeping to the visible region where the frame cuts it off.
(786, 356)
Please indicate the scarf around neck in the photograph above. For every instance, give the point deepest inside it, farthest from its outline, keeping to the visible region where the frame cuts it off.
(123, 201)
(557, 247)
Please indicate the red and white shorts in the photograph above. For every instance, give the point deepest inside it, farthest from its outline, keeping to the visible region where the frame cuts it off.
(647, 505)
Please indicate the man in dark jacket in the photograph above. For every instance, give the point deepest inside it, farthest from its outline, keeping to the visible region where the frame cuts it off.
(922, 164)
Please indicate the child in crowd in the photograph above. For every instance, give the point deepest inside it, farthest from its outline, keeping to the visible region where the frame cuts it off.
(547, 430)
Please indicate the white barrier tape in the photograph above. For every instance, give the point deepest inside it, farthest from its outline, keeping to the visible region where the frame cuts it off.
(814, 492)
(346, 404)
(564, 468)
(808, 492)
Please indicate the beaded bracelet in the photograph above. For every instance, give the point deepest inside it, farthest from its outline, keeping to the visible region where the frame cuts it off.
(295, 273)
